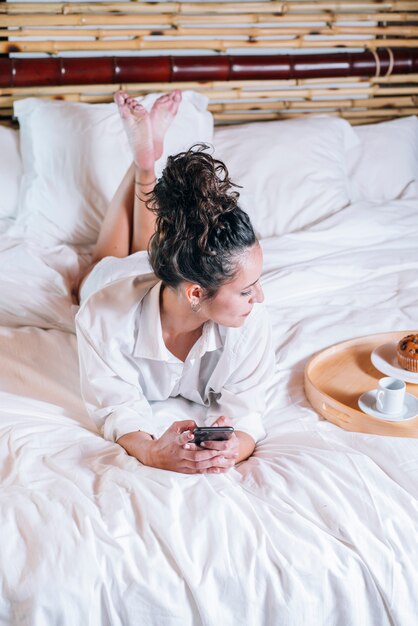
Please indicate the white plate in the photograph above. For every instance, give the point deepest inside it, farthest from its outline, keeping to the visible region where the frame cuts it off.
(367, 403)
(385, 359)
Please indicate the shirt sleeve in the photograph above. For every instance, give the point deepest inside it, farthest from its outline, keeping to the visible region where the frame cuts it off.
(243, 397)
(116, 404)
(109, 269)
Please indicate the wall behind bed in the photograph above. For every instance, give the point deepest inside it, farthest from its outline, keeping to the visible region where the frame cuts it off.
(254, 60)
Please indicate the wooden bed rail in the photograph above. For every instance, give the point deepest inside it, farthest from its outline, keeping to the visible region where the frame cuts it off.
(20, 72)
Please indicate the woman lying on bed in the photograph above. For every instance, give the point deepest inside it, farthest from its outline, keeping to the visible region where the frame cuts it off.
(187, 321)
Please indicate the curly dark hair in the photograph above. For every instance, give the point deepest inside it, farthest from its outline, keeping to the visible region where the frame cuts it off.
(200, 229)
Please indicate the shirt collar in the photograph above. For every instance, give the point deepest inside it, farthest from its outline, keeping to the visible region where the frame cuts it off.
(210, 340)
(149, 342)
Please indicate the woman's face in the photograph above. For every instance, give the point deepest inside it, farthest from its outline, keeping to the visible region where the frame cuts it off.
(235, 300)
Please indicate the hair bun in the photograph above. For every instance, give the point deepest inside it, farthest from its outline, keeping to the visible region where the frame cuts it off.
(199, 227)
(192, 195)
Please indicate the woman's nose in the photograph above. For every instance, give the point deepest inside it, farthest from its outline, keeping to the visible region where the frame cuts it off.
(259, 294)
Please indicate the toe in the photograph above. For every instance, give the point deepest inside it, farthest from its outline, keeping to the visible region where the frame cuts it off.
(120, 97)
(162, 99)
(139, 111)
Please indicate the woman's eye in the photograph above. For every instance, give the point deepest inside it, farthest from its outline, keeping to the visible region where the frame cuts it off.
(245, 293)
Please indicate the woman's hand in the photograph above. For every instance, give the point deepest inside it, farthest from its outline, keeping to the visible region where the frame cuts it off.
(175, 451)
(172, 451)
(227, 452)
(238, 448)
(228, 449)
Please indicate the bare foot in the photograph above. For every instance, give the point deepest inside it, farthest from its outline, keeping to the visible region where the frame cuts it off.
(137, 124)
(163, 112)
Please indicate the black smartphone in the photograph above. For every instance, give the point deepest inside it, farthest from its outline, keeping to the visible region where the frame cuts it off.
(212, 433)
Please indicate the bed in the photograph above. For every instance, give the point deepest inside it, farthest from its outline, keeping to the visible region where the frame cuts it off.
(318, 527)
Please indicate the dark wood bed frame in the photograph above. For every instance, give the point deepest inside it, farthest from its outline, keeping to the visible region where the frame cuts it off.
(18, 72)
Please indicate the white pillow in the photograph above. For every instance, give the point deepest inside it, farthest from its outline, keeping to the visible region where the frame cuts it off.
(10, 171)
(74, 157)
(293, 172)
(385, 165)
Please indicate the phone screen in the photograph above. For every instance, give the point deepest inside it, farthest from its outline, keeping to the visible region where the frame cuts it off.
(212, 433)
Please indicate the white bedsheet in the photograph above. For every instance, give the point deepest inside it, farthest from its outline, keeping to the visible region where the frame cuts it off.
(317, 528)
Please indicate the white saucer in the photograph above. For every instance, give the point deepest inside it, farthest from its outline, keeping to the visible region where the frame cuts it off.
(385, 359)
(367, 403)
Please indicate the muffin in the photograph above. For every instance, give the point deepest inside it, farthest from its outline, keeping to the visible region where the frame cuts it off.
(408, 352)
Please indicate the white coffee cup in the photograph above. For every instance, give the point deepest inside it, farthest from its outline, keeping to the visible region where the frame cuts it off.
(390, 395)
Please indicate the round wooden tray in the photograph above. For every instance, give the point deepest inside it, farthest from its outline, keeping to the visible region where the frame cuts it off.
(337, 376)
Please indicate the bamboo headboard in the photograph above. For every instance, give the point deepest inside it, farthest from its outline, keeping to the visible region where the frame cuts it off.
(254, 60)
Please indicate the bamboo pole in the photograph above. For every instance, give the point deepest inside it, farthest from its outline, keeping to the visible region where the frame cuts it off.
(310, 94)
(219, 45)
(404, 31)
(143, 7)
(82, 19)
(363, 103)
(349, 115)
(296, 100)
(220, 91)
(211, 7)
(392, 112)
(221, 119)
(246, 86)
(209, 86)
(325, 105)
(360, 117)
(229, 112)
(366, 103)
(364, 120)
(395, 78)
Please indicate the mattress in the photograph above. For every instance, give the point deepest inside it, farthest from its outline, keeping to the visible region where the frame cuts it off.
(317, 527)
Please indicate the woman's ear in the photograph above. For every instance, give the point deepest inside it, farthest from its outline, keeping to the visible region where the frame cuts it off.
(193, 292)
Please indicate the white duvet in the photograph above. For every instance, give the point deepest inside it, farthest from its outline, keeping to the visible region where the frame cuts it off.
(318, 528)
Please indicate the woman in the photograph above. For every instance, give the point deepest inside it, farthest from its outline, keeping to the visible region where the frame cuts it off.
(186, 324)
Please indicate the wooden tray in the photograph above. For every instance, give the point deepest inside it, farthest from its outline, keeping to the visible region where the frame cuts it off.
(337, 376)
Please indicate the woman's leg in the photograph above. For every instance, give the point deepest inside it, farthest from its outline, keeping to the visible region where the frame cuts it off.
(115, 232)
(128, 224)
(119, 232)
(161, 116)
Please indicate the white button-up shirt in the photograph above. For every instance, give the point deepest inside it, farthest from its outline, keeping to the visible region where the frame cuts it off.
(126, 367)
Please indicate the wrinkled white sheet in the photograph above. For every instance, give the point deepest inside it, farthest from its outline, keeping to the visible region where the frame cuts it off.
(317, 528)
(36, 283)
